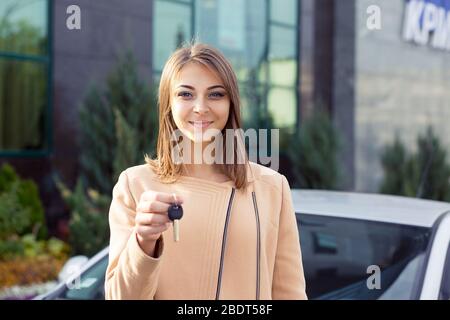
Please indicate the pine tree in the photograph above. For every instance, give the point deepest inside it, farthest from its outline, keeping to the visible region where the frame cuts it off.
(97, 141)
(121, 120)
(313, 153)
(394, 160)
(117, 127)
(127, 147)
(424, 174)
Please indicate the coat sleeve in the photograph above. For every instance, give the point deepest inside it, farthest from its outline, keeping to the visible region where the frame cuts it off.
(288, 279)
(131, 273)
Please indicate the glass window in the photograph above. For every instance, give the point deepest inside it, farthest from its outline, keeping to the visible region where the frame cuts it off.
(338, 251)
(23, 26)
(283, 72)
(259, 40)
(284, 11)
(91, 284)
(242, 39)
(23, 96)
(24, 69)
(282, 43)
(172, 26)
(282, 106)
(252, 102)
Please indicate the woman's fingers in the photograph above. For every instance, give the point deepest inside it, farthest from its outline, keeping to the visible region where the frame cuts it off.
(151, 214)
(151, 232)
(152, 206)
(165, 197)
(151, 219)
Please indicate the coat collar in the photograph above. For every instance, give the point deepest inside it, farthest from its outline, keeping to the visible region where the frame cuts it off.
(252, 172)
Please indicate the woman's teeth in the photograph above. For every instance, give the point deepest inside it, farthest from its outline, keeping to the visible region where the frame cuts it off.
(200, 124)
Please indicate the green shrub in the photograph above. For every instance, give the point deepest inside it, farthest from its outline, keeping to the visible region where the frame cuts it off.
(21, 210)
(88, 227)
(29, 246)
(30, 270)
(117, 127)
(11, 248)
(14, 218)
(313, 151)
(424, 174)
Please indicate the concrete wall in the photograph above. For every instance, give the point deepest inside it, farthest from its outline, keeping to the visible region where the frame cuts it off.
(343, 109)
(400, 89)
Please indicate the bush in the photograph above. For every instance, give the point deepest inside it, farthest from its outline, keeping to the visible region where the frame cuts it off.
(29, 270)
(88, 227)
(117, 127)
(424, 174)
(14, 218)
(26, 260)
(313, 151)
(21, 210)
(25, 256)
(28, 246)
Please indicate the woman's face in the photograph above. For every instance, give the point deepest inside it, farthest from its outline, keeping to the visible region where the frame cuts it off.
(199, 101)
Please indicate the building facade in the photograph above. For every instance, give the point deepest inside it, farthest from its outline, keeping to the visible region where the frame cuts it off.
(290, 57)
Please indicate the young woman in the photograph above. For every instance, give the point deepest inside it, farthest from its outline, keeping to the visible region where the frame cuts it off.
(238, 236)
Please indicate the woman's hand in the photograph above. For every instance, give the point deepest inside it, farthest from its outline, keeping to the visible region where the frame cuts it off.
(152, 218)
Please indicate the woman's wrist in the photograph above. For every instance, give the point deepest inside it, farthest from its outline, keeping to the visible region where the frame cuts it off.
(148, 246)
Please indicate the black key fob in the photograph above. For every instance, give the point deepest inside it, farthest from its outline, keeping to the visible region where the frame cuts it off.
(175, 212)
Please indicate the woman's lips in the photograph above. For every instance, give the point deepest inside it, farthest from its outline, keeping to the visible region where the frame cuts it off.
(200, 124)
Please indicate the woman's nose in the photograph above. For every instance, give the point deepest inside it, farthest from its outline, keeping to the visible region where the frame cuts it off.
(201, 105)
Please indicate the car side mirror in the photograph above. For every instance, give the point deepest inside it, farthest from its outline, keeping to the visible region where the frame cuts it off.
(73, 265)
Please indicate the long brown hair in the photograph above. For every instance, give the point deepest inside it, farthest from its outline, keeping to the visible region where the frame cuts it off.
(168, 171)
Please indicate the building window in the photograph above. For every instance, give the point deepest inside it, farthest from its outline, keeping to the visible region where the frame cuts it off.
(259, 37)
(24, 77)
(172, 26)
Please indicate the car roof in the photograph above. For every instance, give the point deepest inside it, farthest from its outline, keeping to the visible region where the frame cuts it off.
(369, 206)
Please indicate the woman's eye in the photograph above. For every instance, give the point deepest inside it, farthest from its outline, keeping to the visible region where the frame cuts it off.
(217, 95)
(185, 94)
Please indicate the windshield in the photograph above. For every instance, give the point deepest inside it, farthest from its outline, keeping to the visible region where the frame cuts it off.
(360, 259)
(90, 285)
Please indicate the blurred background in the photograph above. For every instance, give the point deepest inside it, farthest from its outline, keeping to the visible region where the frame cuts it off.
(359, 109)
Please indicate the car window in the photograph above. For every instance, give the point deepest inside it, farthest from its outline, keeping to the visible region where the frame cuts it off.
(90, 285)
(338, 251)
(444, 293)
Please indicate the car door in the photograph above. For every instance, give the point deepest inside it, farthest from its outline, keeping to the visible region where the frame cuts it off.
(444, 292)
(435, 279)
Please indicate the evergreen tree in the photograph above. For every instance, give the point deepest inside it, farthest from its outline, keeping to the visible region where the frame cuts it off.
(117, 127)
(313, 153)
(394, 160)
(424, 174)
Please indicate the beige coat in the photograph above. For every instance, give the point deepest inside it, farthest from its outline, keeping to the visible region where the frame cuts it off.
(233, 244)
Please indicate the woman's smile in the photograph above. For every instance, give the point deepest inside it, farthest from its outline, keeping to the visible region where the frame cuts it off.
(200, 124)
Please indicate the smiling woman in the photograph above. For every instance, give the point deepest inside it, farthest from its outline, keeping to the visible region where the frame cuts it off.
(198, 91)
(239, 238)
(199, 105)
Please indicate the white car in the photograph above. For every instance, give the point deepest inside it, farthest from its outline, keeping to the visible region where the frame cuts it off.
(346, 238)
(354, 246)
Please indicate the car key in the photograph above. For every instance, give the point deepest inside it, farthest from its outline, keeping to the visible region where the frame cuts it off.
(175, 214)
